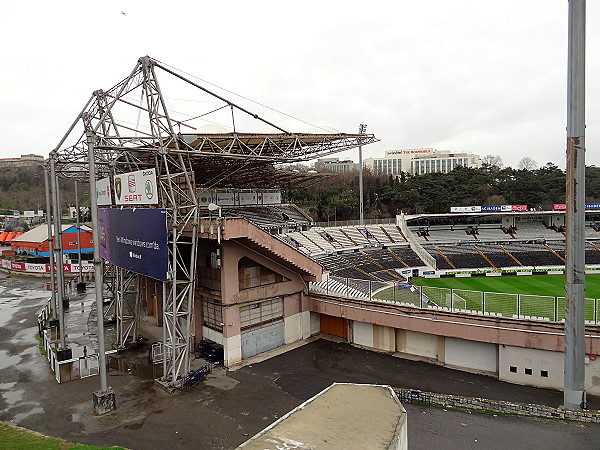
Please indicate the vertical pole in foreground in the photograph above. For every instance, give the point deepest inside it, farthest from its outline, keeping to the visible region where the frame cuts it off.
(57, 241)
(362, 129)
(104, 399)
(574, 363)
(50, 241)
(78, 224)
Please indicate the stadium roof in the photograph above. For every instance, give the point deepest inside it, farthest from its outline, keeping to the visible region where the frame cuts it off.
(132, 135)
(40, 233)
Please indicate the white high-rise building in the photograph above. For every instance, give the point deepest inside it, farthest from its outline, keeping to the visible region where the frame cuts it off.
(419, 161)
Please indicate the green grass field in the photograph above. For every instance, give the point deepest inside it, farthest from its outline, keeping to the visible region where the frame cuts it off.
(552, 285)
(533, 295)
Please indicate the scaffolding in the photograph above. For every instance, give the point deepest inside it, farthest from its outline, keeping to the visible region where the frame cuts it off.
(132, 126)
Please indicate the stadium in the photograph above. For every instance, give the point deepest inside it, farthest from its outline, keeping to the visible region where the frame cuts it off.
(237, 271)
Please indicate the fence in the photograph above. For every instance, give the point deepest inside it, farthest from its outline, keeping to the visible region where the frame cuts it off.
(353, 223)
(517, 306)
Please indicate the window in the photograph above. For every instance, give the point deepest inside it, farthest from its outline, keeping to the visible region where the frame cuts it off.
(253, 316)
(212, 314)
(528, 372)
(544, 374)
(513, 369)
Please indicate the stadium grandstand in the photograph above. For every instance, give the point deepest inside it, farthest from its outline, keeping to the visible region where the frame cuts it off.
(248, 272)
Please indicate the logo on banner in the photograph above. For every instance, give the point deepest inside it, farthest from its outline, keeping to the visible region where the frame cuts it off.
(149, 190)
(131, 183)
(118, 188)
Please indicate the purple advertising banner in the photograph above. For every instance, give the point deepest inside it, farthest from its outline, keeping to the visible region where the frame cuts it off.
(135, 239)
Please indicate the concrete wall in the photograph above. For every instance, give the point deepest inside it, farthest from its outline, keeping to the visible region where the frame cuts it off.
(363, 334)
(478, 356)
(415, 343)
(297, 327)
(542, 368)
(315, 323)
(232, 349)
(212, 335)
(384, 338)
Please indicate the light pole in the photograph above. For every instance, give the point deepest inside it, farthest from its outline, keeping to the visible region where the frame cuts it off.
(574, 362)
(362, 129)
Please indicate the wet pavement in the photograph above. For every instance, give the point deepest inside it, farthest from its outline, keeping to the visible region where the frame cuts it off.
(230, 406)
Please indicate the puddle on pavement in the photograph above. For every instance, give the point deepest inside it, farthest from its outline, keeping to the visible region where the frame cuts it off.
(18, 417)
(7, 361)
(147, 371)
(13, 396)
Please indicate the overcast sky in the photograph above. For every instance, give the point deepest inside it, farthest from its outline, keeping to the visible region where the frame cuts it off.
(487, 77)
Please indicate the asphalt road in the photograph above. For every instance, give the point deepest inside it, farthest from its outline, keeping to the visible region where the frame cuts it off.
(229, 407)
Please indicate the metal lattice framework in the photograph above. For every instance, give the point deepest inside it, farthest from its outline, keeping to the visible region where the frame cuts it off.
(131, 133)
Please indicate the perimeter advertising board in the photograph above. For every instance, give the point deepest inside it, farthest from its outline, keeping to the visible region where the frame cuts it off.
(136, 188)
(135, 239)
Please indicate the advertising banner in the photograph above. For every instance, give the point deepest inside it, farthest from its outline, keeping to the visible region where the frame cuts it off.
(135, 239)
(136, 188)
(205, 198)
(465, 208)
(591, 206)
(271, 198)
(491, 208)
(226, 198)
(248, 198)
(28, 213)
(17, 265)
(506, 208)
(103, 192)
(519, 207)
(559, 207)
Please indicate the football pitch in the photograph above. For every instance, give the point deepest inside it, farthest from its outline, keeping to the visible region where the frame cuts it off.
(522, 296)
(552, 285)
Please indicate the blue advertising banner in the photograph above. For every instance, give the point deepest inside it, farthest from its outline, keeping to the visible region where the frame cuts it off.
(135, 239)
(491, 208)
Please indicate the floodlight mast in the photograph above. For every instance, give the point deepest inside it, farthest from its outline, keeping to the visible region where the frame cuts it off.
(574, 359)
(362, 129)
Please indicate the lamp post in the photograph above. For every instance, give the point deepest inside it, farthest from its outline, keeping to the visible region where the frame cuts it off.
(574, 359)
(362, 129)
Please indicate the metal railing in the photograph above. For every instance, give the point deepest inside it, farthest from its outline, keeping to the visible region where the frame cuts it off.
(353, 223)
(415, 245)
(496, 304)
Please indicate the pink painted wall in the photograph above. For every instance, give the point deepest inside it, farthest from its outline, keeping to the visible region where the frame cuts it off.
(495, 330)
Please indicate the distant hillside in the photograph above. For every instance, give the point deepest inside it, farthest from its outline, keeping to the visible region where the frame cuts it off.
(22, 188)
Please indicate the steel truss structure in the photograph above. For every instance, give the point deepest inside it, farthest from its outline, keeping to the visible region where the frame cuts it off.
(132, 133)
(124, 306)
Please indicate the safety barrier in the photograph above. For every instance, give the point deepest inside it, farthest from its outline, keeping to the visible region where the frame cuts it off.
(495, 304)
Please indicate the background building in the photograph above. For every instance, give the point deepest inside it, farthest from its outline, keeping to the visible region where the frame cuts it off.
(421, 160)
(335, 165)
(23, 161)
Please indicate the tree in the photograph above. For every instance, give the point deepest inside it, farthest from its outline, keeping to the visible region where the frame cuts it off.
(527, 163)
(491, 163)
